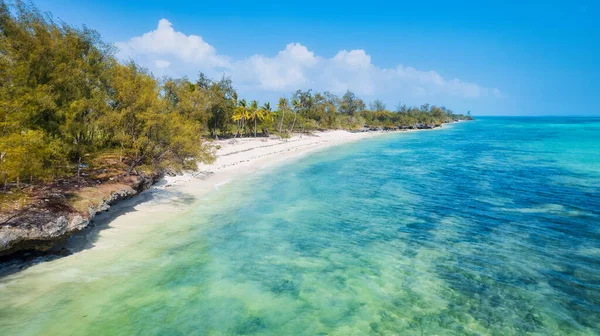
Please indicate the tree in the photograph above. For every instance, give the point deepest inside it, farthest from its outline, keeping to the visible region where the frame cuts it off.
(265, 116)
(222, 105)
(401, 108)
(377, 106)
(30, 156)
(54, 79)
(350, 104)
(254, 111)
(283, 106)
(148, 133)
(241, 115)
(189, 100)
(295, 106)
(203, 82)
(331, 109)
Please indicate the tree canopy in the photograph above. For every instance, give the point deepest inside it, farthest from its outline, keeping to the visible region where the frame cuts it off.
(65, 98)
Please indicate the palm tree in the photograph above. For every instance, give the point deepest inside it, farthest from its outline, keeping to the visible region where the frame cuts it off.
(265, 114)
(254, 110)
(283, 105)
(240, 115)
(267, 107)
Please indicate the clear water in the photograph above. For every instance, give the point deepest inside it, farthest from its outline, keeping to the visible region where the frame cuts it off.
(484, 228)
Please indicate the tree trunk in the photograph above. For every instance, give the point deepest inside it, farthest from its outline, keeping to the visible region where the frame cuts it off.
(255, 125)
(134, 164)
(216, 135)
(293, 123)
(237, 129)
(281, 122)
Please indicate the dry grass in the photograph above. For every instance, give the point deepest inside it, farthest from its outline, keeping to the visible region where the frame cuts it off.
(14, 200)
(106, 166)
(103, 176)
(81, 200)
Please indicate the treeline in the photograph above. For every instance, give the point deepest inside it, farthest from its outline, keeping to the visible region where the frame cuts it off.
(327, 111)
(65, 99)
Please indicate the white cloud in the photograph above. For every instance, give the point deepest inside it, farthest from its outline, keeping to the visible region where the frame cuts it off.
(353, 59)
(288, 70)
(165, 42)
(166, 51)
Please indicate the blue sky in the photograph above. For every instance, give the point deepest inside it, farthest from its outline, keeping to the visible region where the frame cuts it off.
(505, 58)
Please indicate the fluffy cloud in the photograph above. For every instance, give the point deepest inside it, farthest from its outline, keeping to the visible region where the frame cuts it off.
(288, 70)
(165, 42)
(166, 51)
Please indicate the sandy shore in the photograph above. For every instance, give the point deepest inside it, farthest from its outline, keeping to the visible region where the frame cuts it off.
(175, 194)
(237, 157)
(127, 222)
(126, 228)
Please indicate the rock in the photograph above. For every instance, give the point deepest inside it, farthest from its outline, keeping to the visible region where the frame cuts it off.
(41, 229)
(29, 235)
(79, 223)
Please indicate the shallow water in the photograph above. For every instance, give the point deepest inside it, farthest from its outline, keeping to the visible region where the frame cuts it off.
(484, 228)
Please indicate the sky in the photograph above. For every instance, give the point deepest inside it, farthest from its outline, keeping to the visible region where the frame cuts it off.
(489, 57)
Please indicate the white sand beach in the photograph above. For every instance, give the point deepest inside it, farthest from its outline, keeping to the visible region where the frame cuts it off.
(124, 229)
(234, 158)
(237, 157)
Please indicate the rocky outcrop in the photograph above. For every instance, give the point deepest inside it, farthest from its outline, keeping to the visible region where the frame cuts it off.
(50, 222)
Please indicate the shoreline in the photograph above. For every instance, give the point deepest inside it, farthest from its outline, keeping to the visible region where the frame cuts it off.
(239, 157)
(172, 195)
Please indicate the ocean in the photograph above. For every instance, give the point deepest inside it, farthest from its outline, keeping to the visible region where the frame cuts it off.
(490, 227)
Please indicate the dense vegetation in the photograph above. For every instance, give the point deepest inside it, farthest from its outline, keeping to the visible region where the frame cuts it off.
(65, 99)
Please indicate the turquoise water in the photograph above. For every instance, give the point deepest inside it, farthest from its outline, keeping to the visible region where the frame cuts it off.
(489, 227)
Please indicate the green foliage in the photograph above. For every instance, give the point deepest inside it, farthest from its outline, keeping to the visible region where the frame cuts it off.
(350, 104)
(64, 98)
(30, 156)
(222, 104)
(377, 106)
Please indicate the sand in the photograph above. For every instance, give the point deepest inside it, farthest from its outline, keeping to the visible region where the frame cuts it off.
(176, 194)
(238, 157)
